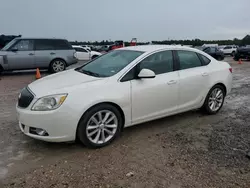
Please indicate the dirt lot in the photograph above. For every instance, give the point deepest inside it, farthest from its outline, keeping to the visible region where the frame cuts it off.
(182, 151)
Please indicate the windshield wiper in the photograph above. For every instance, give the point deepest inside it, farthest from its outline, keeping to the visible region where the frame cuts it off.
(89, 73)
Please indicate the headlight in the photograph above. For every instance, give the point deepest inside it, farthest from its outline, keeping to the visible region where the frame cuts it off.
(51, 102)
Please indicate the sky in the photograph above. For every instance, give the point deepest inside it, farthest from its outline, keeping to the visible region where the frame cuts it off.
(146, 20)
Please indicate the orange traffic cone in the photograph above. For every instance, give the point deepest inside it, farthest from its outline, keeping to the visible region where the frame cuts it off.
(38, 75)
(240, 62)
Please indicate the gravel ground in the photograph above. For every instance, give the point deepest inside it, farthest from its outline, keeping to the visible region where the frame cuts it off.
(182, 151)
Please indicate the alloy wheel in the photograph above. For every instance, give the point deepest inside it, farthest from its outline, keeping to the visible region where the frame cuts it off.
(58, 66)
(102, 127)
(215, 99)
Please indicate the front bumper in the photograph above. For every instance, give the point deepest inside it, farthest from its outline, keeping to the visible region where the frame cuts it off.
(59, 124)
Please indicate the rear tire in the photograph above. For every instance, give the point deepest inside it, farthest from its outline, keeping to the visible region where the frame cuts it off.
(214, 100)
(57, 65)
(99, 126)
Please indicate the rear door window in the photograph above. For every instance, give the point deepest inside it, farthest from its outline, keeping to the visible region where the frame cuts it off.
(205, 60)
(44, 44)
(188, 59)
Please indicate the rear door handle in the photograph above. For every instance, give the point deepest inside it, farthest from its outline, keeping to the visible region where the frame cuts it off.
(31, 54)
(204, 74)
(52, 53)
(172, 82)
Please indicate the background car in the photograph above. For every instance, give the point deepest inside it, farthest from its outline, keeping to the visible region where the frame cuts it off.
(229, 50)
(85, 54)
(242, 53)
(215, 53)
(31, 53)
(127, 86)
(86, 47)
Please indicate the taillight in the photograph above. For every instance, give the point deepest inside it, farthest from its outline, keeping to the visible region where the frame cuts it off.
(75, 55)
(231, 70)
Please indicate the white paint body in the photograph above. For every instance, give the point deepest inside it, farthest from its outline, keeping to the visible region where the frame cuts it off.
(141, 100)
(85, 54)
(229, 49)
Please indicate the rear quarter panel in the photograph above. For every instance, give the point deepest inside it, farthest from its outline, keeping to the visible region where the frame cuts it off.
(67, 56)
(219, 73)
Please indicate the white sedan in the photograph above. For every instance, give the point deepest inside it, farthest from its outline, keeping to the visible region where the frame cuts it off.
(85, 54)
(124, 87)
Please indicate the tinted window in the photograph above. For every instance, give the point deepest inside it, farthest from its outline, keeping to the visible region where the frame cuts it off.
(207, 50)
(24, 45)
(52, 44)
(61, 45)
(160, 62)
(228, 47)
(110, 63)
(213, 50)
(188, 59)
(44, 45)
(205, 60)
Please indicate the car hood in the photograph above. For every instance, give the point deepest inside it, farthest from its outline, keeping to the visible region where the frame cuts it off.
(62, 82)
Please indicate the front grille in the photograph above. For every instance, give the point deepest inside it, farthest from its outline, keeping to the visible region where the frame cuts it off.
(25, 98)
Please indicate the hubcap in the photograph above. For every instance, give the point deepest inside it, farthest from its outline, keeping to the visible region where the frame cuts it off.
(58, 66)
(102, 126)
(215, 99)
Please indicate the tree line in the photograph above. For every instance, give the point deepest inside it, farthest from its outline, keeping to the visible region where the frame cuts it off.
(194, 42)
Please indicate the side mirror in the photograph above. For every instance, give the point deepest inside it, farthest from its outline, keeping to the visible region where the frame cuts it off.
(14, 49)
(146, 73)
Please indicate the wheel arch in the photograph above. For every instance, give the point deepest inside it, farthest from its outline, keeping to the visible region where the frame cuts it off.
(220, 84)
(100, 103)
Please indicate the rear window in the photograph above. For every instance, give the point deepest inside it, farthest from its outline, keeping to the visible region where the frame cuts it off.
(62, 45)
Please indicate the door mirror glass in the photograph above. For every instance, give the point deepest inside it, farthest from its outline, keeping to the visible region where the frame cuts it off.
(146, 73)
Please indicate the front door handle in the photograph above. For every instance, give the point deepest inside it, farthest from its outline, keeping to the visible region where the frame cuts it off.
(31, 54)
(204, 74)
(172, 82)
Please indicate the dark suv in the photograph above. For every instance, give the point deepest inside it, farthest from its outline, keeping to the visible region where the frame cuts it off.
(242, 53)
(30, 53)
(215, 53)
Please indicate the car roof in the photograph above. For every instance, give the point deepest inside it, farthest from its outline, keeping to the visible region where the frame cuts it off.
(39, 38)
(152, 48)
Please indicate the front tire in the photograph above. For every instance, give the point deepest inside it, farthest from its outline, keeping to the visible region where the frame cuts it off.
(99, 126)
(57, 65)
(214, 100)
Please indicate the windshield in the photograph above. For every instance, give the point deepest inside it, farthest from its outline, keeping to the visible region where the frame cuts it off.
(9, 45)
(110, 63)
